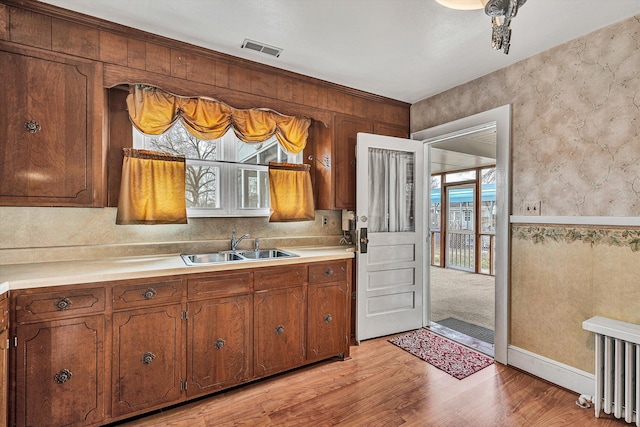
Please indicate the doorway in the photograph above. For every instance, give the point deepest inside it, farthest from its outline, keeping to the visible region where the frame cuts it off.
(443, 136)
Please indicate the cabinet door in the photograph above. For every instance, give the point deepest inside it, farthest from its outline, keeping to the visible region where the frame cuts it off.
(4, 358)
(279, 317)
(327, 325)
(147, 358)
(344, 143)
(218, 343)
(47, 156)
(59, 373)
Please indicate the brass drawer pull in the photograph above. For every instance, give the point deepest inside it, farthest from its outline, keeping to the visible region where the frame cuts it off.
(328, 318)
(150, 293)
(279, 330)
(329, 272)
(148, 357)
(62, 304)
(32, 126)
(63, 376)
(219, 344)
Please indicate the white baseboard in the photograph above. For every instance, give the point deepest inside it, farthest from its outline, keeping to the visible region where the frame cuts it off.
(558, 373)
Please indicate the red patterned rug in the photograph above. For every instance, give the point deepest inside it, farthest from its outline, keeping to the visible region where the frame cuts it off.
(453, 358)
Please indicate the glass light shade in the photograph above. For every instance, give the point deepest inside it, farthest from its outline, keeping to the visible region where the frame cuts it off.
(463, 4)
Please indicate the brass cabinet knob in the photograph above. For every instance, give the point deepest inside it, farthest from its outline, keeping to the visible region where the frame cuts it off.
(150, 293)
(32, 126)
(62, 304)
(148, 357)
(63, 376)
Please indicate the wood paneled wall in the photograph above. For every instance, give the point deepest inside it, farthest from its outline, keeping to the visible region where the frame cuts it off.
(133, 56)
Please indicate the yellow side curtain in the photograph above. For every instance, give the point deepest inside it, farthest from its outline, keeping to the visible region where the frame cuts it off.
(291, 192)
(152, 188)
(153, 111)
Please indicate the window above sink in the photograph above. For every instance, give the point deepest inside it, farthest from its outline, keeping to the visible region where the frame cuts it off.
(225, 176)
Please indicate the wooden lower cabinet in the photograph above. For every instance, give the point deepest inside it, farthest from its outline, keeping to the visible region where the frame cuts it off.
(91, 354)
(60, 373)
(147, 358)
(4, 359)
(218, 343)
(279, 330)
(327, 324)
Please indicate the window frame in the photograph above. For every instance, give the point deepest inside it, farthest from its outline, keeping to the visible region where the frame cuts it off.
(229, 170)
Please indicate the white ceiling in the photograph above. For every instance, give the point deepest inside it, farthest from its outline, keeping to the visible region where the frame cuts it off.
(402, 49)
(464, 151)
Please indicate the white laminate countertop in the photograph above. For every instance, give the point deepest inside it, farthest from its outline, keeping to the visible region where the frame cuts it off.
(36, 275)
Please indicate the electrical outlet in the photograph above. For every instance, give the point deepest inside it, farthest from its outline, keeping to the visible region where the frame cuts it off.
(325, 220)
(531, 208)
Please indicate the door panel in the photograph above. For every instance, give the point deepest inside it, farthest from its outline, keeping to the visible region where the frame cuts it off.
(390, 216)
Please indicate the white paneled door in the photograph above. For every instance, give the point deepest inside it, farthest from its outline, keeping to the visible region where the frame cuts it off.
(389, 205)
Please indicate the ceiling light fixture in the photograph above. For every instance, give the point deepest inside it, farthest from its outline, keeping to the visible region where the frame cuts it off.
(501, 13)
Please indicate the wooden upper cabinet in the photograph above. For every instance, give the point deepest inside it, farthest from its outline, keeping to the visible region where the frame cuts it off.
(51, 131)
(335, 155)
(340, 163)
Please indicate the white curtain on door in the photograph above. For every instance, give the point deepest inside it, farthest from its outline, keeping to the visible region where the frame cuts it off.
(391, 198)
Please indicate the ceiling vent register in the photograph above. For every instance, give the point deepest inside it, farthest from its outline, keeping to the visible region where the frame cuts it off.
(261, 47)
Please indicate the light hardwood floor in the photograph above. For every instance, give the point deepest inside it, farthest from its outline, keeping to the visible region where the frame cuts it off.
(382, 385)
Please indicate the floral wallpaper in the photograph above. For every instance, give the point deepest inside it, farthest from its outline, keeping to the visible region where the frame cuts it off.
(575, 123)
(575, 146)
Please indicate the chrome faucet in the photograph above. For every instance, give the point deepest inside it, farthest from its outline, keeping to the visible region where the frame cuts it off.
(234, 242)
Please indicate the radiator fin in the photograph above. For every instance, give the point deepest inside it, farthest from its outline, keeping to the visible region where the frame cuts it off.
(617, 356)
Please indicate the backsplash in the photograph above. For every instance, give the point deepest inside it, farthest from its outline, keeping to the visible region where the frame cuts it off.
(33, 234)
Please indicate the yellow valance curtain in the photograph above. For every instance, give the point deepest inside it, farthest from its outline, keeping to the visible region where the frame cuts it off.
(291, 192)
(152, 188)
(153, 111)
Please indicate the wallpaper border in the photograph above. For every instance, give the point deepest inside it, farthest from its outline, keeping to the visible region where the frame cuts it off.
(611, 236)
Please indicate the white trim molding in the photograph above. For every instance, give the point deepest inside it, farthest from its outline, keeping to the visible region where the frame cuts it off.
(558, 373)
(623, 221)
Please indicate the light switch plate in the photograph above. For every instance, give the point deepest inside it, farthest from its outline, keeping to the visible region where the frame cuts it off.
(531, 208)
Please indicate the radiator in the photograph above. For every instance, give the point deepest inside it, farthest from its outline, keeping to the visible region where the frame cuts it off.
(617, 368)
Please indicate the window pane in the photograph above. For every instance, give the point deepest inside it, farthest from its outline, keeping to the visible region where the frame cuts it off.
(460, 176)
(488, 201)
(202, 186)
(253, 188)
(259, 153)
(177, 140)
(391, 191)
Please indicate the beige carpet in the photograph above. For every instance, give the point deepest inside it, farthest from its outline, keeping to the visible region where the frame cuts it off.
(465, 296)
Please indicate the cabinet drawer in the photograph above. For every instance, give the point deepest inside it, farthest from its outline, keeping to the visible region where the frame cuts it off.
(280, 277)
(220, 285)
(334, 271)
(147, 293)
(33, 306)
